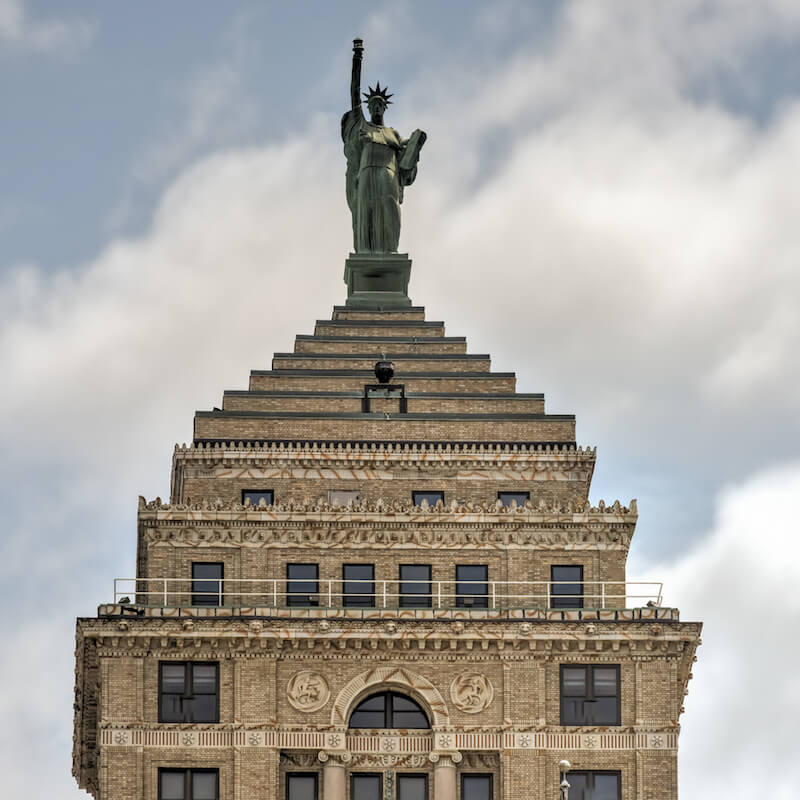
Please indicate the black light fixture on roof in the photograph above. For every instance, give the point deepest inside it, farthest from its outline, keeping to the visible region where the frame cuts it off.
(384, 371)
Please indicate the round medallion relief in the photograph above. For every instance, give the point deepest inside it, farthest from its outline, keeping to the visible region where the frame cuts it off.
(308, 691)
(471, 692)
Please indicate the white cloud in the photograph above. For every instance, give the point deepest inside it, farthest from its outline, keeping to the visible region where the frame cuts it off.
(577, 213)
(741, 712)
(53, 35)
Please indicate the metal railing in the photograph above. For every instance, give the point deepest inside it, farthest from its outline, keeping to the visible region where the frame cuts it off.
(288, 593)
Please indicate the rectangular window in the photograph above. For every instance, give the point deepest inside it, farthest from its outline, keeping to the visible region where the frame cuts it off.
(590, 694)
(366, 786)
(188, 784)
(207, 584)
(188, 691)
(302, 585)
(431, 498)
(412, 787)
(415, 585)
(566, 588)
(301, 786)
(507, 498)
(255, 496)
(594, 785)
(341, 497)
(472, 587)
(358, 585)
(476, 787)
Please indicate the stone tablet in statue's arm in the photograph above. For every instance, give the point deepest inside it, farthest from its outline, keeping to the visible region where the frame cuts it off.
(410, 156)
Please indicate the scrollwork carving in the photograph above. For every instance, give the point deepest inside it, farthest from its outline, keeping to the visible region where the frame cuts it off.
(308, 691)
(471, 692)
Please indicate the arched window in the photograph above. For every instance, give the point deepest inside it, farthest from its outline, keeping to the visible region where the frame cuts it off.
(388, 710)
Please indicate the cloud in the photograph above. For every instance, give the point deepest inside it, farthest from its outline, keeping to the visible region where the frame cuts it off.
(52, 36)
(579, 212)
(743, 704)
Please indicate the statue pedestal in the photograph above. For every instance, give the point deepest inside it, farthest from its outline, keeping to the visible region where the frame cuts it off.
(377, 280)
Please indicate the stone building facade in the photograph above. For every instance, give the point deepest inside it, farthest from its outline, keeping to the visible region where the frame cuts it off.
(381, 589)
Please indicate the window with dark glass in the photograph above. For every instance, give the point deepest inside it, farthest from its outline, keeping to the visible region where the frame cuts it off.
(366, 786)
(188, 784)
(566, 588)
(507, 498)
(415, 585)
(472, 587)
(476, 787)
(431, 498)
(388, 710)
(590, 694)
(358, 585)
(594, 785)
(207, 584)
(301, 786)
(255, 496)
(302, 584)
(188, 691)
(412, 786)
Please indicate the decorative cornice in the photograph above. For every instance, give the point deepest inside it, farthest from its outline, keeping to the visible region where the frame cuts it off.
(439, 744)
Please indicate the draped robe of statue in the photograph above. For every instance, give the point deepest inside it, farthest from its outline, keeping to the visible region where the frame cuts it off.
(374, 182)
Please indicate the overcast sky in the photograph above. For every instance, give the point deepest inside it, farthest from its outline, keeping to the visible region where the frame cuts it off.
(607, 203)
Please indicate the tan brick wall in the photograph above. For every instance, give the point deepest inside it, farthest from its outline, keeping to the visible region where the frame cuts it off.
(367, 362)
(363, 344)
(334, 383)
(378, 429)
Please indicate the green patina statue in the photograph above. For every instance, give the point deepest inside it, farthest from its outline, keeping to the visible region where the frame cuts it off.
(379, 165)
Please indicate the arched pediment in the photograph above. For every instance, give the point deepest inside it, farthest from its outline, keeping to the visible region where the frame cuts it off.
(411, 683)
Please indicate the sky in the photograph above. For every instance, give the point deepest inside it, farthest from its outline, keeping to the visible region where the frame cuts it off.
(607, 203)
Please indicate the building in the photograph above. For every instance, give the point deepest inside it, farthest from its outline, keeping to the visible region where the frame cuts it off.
(379, 576)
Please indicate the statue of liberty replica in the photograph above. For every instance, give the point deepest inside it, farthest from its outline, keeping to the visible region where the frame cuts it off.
(379, 165)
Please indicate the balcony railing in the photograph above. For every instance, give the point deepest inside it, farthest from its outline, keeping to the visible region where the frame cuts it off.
(391, 594)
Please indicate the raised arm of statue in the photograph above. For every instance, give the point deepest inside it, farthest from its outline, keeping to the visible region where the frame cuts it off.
(355, 80)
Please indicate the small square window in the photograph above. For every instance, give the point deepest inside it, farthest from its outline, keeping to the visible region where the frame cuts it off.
(595, 785)
(566, 587)
(188, 691)
(507, 498)
(415, 586)
(188, 784)
(255, 496)
(590, 694)
(358, 585)
(302, 585)
(431, 498)
(340, 497)
(207, 583)
(476, 787)
(301, 786)
(472, 587)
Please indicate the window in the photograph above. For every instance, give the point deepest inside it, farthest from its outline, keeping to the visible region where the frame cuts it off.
(301, 786)
(507, 498)
(472, 588)
(188, 784)
(188, 691)
(207, 584)
(366, 786)
(569, 593)
(388, 710)
(431, 498)
(412, 787)
(340, 497)
(255, 496)
(302, 584)
(358, 585)
(476, 787)
(590, 695)
(594, 785)
(415, 586)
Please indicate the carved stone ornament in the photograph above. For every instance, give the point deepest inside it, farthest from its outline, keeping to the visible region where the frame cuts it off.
(308, 691)
(471, 692)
